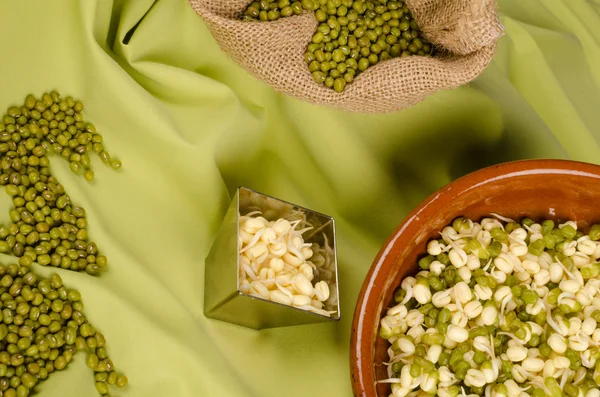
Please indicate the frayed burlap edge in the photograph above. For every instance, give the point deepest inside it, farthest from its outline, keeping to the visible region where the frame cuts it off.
(459, 26)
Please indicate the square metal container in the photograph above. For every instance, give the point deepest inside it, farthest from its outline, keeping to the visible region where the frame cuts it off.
(223, 299)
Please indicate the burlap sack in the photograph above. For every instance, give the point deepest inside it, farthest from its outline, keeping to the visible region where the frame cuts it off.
(466, 30)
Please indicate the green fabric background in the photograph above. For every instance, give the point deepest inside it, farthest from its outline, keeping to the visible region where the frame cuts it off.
(190, 126)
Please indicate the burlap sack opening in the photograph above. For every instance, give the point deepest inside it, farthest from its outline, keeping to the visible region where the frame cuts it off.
(466, 30)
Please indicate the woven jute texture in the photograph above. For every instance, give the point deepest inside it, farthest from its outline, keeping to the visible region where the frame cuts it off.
(465, 30)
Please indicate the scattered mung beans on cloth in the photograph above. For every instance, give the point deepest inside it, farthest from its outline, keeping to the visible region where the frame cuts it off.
(464, 31)
(501, 309)
(42, 324)
(47, 227)
(277, 265)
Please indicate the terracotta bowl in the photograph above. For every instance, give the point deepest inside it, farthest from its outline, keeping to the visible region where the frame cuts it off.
(539, 189)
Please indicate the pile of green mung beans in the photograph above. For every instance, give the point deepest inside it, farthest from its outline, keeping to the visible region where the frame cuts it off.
(352, 35)
(501, 309)
(46, 226)
(42, 322)
(42, 327)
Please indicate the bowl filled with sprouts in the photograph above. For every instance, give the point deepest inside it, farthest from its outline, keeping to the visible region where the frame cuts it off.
(490, 287)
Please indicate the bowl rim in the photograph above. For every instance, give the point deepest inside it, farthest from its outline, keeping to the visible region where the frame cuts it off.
(361, 351)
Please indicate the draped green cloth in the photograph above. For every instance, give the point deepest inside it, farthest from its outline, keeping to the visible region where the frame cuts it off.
(190, 126)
